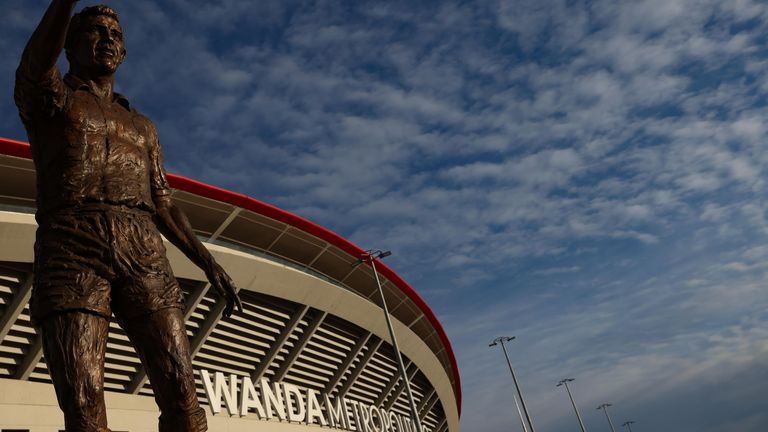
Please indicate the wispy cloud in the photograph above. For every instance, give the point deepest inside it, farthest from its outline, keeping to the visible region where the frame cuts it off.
(585, 174)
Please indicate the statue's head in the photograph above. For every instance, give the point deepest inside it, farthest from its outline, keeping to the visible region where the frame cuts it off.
(94, 41)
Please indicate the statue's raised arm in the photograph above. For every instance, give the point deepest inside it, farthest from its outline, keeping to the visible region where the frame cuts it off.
(46, 43)
(39, 89)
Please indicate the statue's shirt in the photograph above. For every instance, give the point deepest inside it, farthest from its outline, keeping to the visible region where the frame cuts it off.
(87, 149)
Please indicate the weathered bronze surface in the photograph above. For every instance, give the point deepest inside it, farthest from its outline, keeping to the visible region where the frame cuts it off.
(102, 202)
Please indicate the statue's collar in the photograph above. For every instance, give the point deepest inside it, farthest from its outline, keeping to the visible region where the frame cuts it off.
(75, 83)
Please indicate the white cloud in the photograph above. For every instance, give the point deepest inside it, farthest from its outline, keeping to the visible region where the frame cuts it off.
(604, 144)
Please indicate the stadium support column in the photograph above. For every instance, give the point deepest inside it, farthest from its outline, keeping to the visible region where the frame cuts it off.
(373, 346)
(34, 354)
(390, 386)
(11, 313)
(425, 399)
(443, 426)
(344, 367)
(371, 256)
(274, 350)
(425, 408)
(290, 359)
(16, 306)
(399, 389)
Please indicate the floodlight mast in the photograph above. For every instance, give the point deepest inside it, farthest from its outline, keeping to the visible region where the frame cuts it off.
(371, 256)
(604, 407)
(520, 414)
(628, 425)
(528, 420)
(564, 382)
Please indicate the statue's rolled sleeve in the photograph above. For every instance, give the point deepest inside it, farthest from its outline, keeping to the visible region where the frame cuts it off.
(39, 97)
(158, 180)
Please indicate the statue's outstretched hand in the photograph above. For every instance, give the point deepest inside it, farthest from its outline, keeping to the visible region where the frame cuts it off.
(223, 285)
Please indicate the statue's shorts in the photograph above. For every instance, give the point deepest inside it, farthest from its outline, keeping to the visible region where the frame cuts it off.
(88, 265)
(102, 259)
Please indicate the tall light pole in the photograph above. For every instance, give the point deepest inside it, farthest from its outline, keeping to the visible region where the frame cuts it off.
(628, 425)
(564, 382)
(371, 256)
(520, 414)
(604, 407)
(501, 341)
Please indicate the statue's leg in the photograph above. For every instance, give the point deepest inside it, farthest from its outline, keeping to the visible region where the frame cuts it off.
(161, 341)
(148, 304)
(74, 344)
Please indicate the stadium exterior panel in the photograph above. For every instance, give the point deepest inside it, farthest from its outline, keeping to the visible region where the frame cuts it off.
(310, 350)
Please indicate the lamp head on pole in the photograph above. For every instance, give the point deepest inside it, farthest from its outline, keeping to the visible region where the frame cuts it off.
(378, 253)
(370, 254)
(564, 381)
(501, 340)
(605, 405)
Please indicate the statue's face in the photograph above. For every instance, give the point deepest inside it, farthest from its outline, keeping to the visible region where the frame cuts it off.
(99, 47)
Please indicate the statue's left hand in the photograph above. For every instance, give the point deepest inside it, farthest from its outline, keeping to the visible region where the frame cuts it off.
(223, 284)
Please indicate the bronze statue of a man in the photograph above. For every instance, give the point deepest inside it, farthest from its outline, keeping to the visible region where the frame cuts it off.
(102, 202)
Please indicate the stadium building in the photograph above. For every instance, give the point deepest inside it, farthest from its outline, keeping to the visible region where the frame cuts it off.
(310, 351)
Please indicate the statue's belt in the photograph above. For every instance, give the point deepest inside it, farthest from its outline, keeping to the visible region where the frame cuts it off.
(77, 209)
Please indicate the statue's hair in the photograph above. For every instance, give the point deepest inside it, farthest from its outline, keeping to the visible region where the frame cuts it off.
(78, 19)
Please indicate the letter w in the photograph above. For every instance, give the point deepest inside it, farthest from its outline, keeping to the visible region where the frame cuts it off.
(218, 388)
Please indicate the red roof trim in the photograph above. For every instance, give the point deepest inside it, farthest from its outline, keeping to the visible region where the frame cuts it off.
(15, 148)
(21, 149)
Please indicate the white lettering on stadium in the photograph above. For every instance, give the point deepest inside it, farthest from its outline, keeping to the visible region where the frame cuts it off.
(287, 402)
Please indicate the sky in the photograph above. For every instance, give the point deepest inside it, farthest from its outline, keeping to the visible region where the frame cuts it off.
(588, 176)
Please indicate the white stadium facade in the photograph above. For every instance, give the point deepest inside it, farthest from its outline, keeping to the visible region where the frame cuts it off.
(310, 351)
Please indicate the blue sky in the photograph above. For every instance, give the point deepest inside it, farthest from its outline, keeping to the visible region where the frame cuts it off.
(586, 175)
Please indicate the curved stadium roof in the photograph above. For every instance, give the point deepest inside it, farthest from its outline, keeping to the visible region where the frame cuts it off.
(236, 220)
